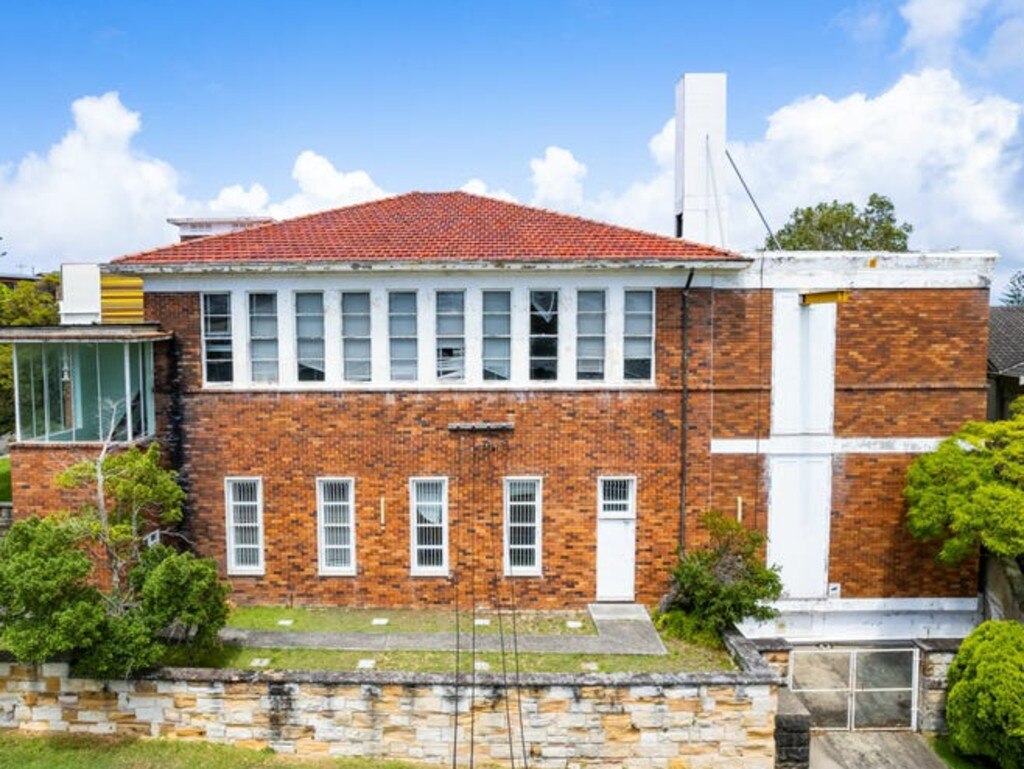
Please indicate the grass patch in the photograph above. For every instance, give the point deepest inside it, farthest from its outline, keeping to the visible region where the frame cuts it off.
(681, 657)
(5, 479)
(81, 752)
(945, 750)
(406, 620)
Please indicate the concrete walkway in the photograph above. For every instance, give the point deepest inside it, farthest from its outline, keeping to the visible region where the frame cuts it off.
(621, 629)
(872, 750)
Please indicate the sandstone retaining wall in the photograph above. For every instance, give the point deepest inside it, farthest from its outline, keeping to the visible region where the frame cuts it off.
(678, 721)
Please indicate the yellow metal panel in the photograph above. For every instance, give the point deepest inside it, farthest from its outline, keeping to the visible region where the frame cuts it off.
(121, 299)
(824, 297)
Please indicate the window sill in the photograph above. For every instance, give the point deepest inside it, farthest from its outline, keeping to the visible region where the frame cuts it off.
(349, 573)
(246, 573)
(430, 574)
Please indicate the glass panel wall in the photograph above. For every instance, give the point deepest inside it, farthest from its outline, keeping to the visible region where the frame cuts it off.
(84, 391)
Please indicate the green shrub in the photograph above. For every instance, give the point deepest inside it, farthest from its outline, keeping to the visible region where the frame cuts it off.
(985, 705)
(719, 585)
(47, 606)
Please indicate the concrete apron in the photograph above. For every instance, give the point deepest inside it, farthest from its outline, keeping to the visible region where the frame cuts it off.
(872, 750)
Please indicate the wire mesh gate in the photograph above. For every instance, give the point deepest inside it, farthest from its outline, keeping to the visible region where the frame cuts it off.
(856, 688)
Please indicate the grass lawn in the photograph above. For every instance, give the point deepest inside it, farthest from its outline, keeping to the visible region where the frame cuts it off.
(682, 657)
(948, 753)
(74, 752)
(407, 620)
(5, 479)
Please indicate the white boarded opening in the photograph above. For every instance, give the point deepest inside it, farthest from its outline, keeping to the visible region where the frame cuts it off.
(803, 366)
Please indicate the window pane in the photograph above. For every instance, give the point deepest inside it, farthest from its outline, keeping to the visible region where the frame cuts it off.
(309, 303)
(337, 536)
(449, 334)
(263, 336)
(543, 335)
(497, 330)
(639, 301)
(217, 337)
(522, 524)
(355, 330)
(402, 329)
(309, 332)
(430, 522)
(639, 335)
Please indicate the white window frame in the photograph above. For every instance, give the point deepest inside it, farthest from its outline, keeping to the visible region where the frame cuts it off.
(630, 513)
(559, 336)
(346, 336)
(603, 335)
(537, 569)
(416, 337)
(428, 571)
(297, 363)
(230, 336)
(335, 571)
(229, 502)
(654, 334)
(438, 336)
(276, 381)
(481, 365)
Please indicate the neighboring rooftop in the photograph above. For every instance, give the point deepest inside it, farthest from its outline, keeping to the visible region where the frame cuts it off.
(1006, 341)
(429, 226)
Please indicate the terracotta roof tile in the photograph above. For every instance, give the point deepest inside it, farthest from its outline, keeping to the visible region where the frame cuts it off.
(429, 226)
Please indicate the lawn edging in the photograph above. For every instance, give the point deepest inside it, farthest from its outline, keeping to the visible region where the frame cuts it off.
(586, 718)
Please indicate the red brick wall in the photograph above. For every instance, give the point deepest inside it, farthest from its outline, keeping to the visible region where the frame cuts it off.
(873, 554)
(909, 364)
(34, 471)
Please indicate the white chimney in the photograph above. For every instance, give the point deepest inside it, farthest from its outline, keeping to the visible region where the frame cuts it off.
(702, 213)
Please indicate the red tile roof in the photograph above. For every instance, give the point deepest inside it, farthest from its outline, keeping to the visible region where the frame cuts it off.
(428, 226)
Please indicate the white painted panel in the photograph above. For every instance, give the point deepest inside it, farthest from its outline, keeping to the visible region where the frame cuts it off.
(803, 365)
(799, 505)
(79, 294)
(616, 559)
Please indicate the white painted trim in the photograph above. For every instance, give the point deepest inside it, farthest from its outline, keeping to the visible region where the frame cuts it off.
(630, 514)
(232, 569)
(868, 619)
(798, 270)
(17, 395)
(538, 569)
(335, 571)
(429, 571)
(822, 444)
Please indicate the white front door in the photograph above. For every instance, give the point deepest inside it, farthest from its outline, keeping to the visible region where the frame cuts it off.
(616, 539)
(799, 507)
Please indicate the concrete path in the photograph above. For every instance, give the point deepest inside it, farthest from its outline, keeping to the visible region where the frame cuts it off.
(872, 750)
(621, 629)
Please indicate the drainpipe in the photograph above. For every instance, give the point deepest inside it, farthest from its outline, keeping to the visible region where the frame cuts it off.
(686, 410)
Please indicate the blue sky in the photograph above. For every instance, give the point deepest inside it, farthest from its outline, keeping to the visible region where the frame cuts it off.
(431, 95)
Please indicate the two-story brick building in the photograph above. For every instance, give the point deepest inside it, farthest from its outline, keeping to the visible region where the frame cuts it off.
(373, 405)
(438, 393)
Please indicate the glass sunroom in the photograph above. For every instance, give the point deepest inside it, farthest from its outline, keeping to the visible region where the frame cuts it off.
(75, 384)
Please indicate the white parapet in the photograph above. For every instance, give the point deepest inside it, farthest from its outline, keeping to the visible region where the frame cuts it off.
(79, 294)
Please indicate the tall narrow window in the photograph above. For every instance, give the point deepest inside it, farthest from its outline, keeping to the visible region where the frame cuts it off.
(590, 335)
(355, 334)
(263, 337)
(244, 501)
(617, 498)
(309, 336)
(217, 337)
(639, 335)
(336, 525)
(429, 526)
(451, 335)
(522, 526)
(402, 333)
(543, 335)
(497, 358)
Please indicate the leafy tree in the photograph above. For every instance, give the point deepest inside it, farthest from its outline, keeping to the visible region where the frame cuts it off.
(29, 303)
(720, 585)
(985, 702)
(50, 569)
(839, 226)
(969, 492)
(1013, 294)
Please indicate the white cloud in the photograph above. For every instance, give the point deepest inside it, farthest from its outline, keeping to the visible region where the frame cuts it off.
(557, 179)
(322, 186)
(94, 195)
(479, 187)
(949, 160)
(934, 27)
